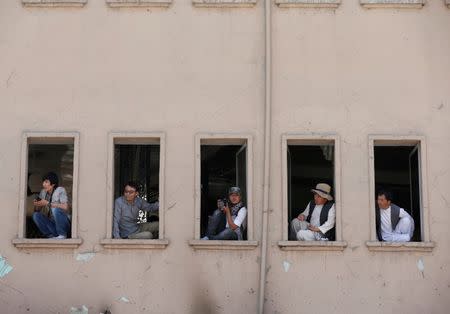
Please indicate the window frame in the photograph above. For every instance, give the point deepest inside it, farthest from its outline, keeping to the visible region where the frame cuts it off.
(54, 3)
(137, 138)
(30, 137)
(327, 4)
(138, 3)
(394, 4)
(223, 139)
(311, 139)
(374, 244)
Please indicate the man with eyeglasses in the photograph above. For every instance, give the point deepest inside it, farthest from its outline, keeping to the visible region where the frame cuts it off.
(126, 215)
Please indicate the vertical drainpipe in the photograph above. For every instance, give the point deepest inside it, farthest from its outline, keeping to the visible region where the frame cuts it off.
(267, 140)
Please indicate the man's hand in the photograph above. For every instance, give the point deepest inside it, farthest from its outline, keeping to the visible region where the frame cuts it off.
(312, 228)
(226, 209)
(301, 217)
(40, 203)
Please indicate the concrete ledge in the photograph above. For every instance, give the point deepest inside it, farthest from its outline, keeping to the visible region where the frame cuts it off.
(312, 245)
(399, 4)
(332, 4)
(54, 3)
(139, 3)
(400, 246)
(134, 243)
(223, 245)
(46, 243)
(224, 3)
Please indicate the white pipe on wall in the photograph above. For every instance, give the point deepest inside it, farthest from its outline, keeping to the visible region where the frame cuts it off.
(267, 142)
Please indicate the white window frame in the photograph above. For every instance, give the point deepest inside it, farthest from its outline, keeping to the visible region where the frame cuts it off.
(136, 138)
(224, 3)
(139, 3)
(54, 3)
(224, 139)
(311, 139)
(395, 4)
(330, 4)
(48, 138)
(400, 140)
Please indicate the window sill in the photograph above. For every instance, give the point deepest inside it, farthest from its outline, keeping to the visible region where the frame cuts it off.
(139, 3)
(224, 3)
(399, 4)
(23, 243)
(54, 3)
(223, 245)
(134, 243)
(377, 246)
(312, 245)
(333, 4)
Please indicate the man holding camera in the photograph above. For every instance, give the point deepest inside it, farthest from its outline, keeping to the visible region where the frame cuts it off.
(317, 221)
(229, 219)
(126, 215)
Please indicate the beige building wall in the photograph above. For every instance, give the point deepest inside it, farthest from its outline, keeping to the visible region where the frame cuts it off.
(183, 70)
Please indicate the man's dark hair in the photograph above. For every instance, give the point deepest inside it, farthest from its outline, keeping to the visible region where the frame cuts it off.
(132, 184)
(52, 177)
(387, 194)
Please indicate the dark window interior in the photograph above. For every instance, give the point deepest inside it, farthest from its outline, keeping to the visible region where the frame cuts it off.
(222, 166)
(307, 166)
(43, 158)
(397, 169)
(139, 163)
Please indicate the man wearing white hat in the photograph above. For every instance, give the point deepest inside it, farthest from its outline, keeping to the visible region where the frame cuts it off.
(317, 221)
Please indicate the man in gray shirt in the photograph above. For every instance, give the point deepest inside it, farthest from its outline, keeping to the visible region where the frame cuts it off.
(126, 215)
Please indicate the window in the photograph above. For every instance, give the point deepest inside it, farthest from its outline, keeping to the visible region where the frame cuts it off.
(139, 3)
(43, 153)
(332, 4)
(137, 157)
(398, 164)
(65, 3)
(222, 161)
(412, 4)
(306, 161)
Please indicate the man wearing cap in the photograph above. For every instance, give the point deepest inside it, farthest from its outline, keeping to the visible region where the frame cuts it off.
(393, 223)
(231, 215)
(317, 221)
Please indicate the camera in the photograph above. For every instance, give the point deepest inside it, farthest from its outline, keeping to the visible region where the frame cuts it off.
(222, 202)
(37, 199)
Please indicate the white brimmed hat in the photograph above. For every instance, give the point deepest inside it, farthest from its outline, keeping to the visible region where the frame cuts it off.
(323, 190)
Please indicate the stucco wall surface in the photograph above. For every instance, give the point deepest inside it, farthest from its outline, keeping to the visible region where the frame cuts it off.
(185, 70)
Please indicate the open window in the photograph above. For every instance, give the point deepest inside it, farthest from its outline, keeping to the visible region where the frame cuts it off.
(222, 161)
(399, 164)
(42, 153)
(137, 157)
(397, 168)
(307, 166)
(222, 166)
(306, 161)
(138, 163)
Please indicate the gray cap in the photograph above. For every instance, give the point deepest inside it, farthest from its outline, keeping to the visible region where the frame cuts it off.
(234, 190)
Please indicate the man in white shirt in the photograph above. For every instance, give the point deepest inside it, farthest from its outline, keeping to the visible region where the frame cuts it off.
(232, 214)
(394, 224)
(317, 221)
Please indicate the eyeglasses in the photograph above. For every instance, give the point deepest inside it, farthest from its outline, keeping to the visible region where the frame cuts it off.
(130, 191)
